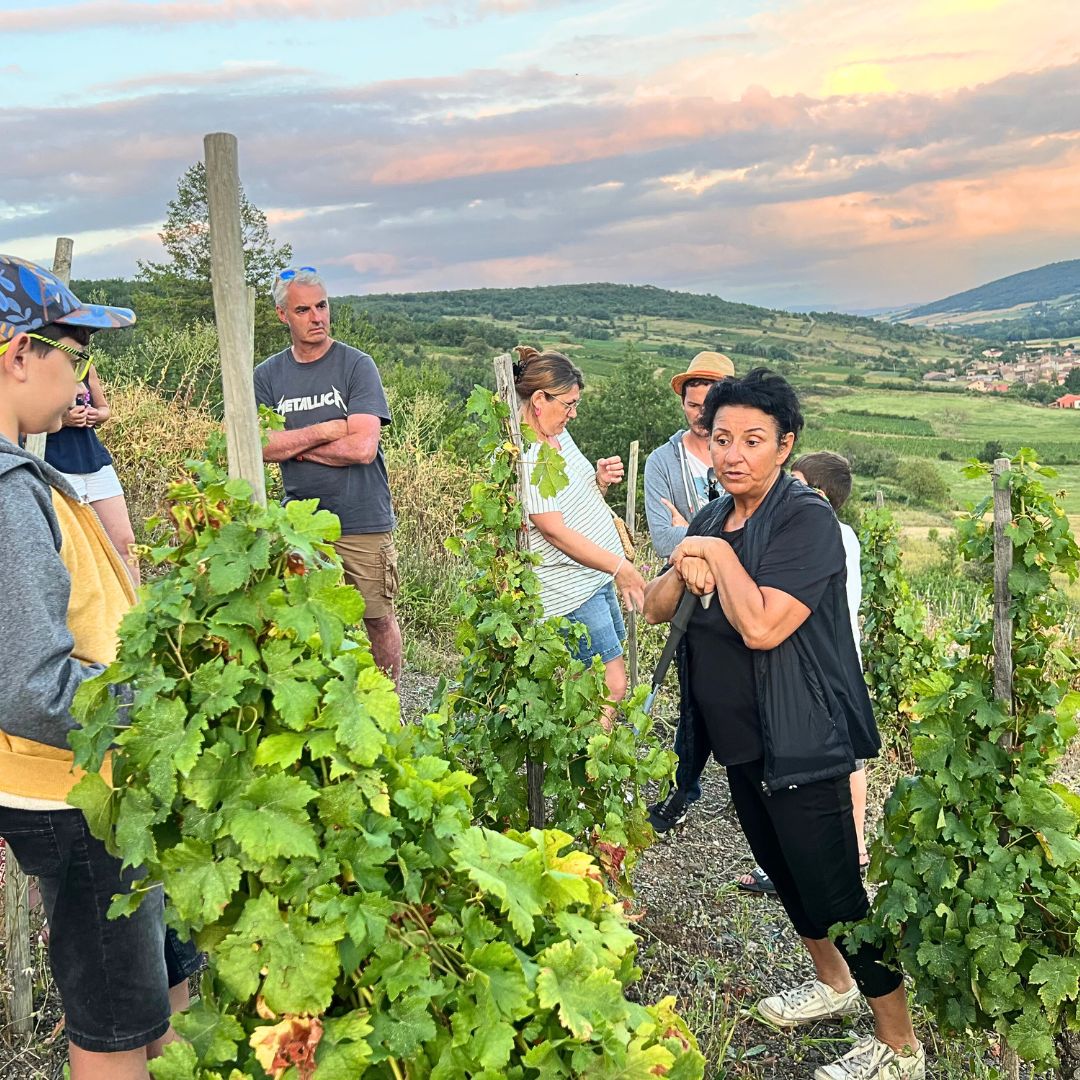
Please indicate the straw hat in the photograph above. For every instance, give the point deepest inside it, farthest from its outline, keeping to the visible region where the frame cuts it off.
(706, 365)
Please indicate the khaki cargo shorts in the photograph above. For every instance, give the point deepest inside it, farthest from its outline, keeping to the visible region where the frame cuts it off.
(370, 562)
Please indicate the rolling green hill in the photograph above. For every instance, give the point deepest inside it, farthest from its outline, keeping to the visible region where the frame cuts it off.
(602, 302)
(1039, 303)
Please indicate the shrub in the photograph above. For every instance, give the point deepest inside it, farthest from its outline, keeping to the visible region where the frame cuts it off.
(868, 460)
(978, 866)
(520, 693)
(183, 366)
(923, 483)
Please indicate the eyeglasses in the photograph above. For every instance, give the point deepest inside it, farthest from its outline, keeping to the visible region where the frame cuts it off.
(288, 275)
(569, 406)
(83, 357)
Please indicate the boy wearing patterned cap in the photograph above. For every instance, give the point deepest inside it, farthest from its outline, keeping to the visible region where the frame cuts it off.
(63, 591)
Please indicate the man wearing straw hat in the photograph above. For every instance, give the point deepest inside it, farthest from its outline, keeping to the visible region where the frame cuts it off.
(677, 483)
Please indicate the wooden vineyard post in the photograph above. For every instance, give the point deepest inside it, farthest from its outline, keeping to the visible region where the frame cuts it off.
(879, 499)
(504, 386)
(1003, 666)
(20, 969)
(1003, 673)
(233, 312)
(61, 266)
(631, 516)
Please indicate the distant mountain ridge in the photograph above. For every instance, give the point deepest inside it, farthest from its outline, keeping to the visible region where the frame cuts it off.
(1040, 302)
(589, 300)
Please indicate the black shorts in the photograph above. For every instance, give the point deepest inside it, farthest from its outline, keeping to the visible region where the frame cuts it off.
(113, 974)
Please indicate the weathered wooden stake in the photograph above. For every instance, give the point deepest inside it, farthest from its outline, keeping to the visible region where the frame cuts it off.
(1003, 557)
(20, 968)
(504, 386)
(1003, 665)
(61, 265)
(631, 517)
(233, 312)
(879, 499)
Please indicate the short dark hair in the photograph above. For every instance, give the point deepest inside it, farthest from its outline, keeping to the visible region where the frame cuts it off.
(757, 389)
(691, 383)
(829, 472)
(56, 331)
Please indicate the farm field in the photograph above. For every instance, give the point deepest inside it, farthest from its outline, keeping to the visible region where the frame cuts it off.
(941, 430)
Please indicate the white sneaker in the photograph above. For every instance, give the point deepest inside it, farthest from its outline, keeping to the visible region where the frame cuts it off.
(874, 1060)
(813, 1000)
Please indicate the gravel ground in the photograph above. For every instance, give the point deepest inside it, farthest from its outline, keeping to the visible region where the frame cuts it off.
(715, 948)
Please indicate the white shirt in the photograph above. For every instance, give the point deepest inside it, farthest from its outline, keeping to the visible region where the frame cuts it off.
(852, 554)
(564, 583)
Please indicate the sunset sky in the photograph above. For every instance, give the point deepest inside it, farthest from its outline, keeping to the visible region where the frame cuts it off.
(788, 153)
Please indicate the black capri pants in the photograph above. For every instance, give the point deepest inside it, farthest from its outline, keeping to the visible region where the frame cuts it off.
(804, 839)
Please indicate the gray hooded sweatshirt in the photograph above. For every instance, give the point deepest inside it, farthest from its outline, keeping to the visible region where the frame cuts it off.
(40, 674)
(667, 476)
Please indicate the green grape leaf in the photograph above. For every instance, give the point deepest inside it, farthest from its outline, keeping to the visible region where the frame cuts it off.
(178, 1061)
(199, 885)
(584, 994)
(213, 1034)
(272, 820)
(1058, 979)
(295, 961)
(98, 802)
(506, 870)
(343, 1052)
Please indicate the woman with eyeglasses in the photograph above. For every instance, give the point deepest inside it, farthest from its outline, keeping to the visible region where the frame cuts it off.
(574, 532)
(77, 452)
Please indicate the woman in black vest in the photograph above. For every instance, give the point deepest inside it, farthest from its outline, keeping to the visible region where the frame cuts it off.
(775, 686)
(77, 452)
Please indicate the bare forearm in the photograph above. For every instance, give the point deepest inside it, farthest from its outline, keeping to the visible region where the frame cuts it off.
(662, 597)
(351, 450)
(763, 617)
(581, 549)
(283, 445)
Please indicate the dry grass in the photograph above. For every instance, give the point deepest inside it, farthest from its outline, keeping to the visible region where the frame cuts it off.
(428, 487)
(150, 439)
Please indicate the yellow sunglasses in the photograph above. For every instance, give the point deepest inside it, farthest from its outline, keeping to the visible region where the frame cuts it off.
(81, 355)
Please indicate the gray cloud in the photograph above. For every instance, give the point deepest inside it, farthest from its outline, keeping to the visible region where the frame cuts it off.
(465, 181)
(145, 15)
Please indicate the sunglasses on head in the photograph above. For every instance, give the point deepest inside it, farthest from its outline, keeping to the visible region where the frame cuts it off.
(288, 275)
(82, 367)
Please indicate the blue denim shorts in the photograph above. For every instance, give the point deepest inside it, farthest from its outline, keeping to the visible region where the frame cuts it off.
(601, 616)
(112, 974)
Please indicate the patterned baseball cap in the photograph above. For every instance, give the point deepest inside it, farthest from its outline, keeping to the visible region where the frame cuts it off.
(31, 297)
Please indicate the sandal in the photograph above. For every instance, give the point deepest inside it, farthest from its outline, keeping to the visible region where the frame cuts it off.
(759, 883)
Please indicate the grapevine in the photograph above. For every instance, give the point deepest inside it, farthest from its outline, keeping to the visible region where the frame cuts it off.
(895, 637)
(323, 854)
(980, 894)
(520, 692)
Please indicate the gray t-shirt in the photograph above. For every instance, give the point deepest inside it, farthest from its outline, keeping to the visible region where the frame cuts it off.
(342, 383)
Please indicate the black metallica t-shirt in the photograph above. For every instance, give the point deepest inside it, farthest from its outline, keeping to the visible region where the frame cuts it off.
(804, 558)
